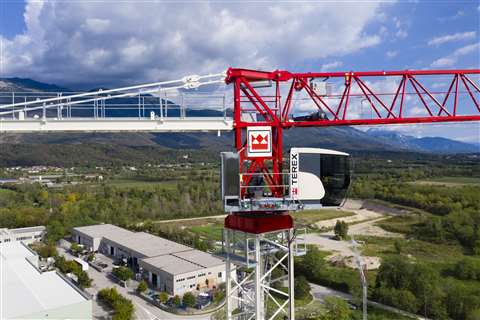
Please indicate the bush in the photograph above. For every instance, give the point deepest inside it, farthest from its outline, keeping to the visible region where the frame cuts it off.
(468, 269)
(123, 273)
(45, 250)
(189, 300)
(84, 280)
(218, 296)
(302, 288)
(163, 297)
(123, 307)
(336, 309)
(176, 301)
(75, 248)
(341, 229)
(142, 287)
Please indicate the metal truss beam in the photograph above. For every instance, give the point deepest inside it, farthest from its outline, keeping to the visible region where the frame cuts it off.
(117, 125)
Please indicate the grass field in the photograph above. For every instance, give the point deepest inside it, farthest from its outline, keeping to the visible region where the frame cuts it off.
(132, 183)
(450, 181)
(438, 254)
(309, 217)
(210, 231)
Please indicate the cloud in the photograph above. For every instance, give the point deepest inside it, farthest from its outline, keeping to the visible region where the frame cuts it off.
(452, 37)
(456, 16)
(443, 62)
(391, 54)
(452, 59)
(401, 25)
(87, 43)
(331, 66)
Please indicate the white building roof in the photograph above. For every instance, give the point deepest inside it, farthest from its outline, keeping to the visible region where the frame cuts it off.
(171, 264)
(200, 258)
(104, 230)
(24, 290)
(147, 244)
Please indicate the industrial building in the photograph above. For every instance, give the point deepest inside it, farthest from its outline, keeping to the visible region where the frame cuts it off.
(26, 235)
(168, 266)
(28, 293)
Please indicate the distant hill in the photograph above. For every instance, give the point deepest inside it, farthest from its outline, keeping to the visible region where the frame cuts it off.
(425, 144)
(341, 138)
(27, 85)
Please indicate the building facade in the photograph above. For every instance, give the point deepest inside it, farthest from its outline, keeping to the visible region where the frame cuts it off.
(27, 235)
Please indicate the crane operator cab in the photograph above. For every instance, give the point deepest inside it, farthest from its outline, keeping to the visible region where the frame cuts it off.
(319, 177)
(316, 178)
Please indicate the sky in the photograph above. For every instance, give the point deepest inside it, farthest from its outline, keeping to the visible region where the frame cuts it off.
(85, 44)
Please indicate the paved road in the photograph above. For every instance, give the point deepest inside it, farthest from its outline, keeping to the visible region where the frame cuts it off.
(320, 292)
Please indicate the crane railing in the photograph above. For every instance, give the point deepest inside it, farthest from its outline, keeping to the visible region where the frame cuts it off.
(158, 106)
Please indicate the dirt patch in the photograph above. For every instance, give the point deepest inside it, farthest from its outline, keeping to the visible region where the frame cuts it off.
(371, 263)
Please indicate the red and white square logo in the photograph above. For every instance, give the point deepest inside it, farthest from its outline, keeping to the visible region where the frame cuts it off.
(259, 141)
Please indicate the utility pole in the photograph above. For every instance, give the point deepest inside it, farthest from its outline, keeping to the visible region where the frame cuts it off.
(361, 269)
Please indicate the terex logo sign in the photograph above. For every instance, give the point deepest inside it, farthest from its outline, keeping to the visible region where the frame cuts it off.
(259, 141)
(294, 164)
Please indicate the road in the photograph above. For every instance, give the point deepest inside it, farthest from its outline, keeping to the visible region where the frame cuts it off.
(187, 219)
(320, 292)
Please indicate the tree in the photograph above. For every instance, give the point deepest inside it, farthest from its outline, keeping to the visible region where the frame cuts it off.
(218, 296)
(176, 301)
(341, 229)
(55, 231)
(91, 257)
(142, 286)
(123, 307)
(189, 300)
(336, 309)
(301, 288)
(123, 273)
(163, 297)
(75, 248)
(84, 280)
(398, 246)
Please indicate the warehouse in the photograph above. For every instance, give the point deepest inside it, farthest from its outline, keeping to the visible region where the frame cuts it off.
(27, 235)
(168, 266)
(184, 271)
(90, 236)
(28, 293)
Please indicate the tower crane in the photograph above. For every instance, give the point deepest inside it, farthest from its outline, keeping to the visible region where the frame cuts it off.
(259, 188)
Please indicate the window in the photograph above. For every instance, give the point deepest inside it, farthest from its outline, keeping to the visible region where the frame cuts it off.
(219, 274)
(335, 176)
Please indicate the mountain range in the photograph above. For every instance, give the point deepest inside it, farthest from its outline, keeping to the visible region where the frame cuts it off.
(342, 138)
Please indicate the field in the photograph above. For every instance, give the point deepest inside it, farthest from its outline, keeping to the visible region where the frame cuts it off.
(141, 184)
(309, 217)
(450, 181)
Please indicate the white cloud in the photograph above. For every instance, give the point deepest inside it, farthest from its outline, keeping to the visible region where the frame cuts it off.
(456, 16)
(75, 42)
(401, 25)
(451, 59)
(401, 34)
(443, 62)
(466, 50)
(331, 66)
(452, 37)
(391, 54)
